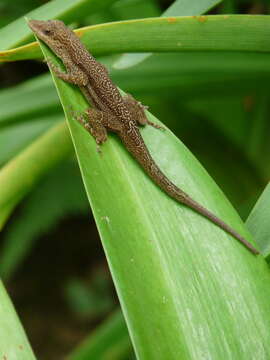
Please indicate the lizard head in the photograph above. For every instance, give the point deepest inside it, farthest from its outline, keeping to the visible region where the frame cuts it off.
(50, 31)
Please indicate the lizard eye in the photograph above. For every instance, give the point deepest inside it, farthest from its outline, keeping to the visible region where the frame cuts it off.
(47, 32)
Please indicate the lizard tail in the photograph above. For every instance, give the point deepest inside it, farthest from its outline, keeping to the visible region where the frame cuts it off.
(208, 214)
(174, 192)
(142, 155)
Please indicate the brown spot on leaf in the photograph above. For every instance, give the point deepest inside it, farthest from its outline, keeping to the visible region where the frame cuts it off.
(171, 19)
(21, 347)
(79, 33)
(202, 18)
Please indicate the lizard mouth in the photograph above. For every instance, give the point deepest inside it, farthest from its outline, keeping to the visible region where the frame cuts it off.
(42, 29)
(36, 25)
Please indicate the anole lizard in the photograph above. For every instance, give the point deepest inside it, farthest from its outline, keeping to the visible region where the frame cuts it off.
(110, 111)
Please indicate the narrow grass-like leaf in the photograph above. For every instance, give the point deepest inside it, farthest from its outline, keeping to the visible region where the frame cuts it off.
(20, 174)
(18, 33)
(228, 7)
(138, 9)
(187, 33)
(178, 8)
(33, 98)
(15, 138)
(109, 341)
(257, 146)
(258, 222)
(40, 212)
(249, 115)
(186, 287)
(13, 342)
(190, 8)
(198, 76)
(223, 72)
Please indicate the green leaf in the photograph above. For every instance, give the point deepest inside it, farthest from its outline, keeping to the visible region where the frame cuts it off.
(13, 341)
(190, 8)
(249, 116)
(228, 7)
(90, 302)
(195, 77)
(178, 8)
(22, 173)
(16, 137)
(198, 76)
(185, 286)
(109, 341)
(135, 9)
(18, 33)
(37, 215)
(34, 98)
(257, 145)
(188, 33)
(258, 222)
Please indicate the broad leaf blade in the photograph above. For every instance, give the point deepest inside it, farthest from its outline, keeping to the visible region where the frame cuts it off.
(185, 286)
(178, 8)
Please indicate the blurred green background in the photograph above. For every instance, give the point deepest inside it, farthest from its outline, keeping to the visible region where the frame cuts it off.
(218, 107)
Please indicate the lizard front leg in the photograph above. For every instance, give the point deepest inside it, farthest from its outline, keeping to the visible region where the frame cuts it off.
(74, 74)
(137, 112)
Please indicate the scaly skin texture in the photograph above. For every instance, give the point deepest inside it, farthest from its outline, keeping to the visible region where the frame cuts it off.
(110, 111)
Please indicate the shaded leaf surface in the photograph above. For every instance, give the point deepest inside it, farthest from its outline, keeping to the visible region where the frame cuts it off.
(185, 286)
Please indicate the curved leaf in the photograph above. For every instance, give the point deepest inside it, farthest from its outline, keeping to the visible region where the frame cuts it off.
(109, 341)
(20, 174)
(13, 342)
(258, 222)
(178, 8)
(18, 33)
(187, 33)
(185, 286)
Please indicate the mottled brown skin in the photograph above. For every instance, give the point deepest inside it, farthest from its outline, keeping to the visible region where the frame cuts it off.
(111, 111)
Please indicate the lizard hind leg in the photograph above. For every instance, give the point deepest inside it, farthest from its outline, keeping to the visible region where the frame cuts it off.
(100, 122)
(137, 112)
(92, 122)
(97, 123)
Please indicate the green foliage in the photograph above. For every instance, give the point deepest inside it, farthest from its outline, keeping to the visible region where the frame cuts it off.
(109, 341)
(17, 33)
(13, 341)
(187, 290)
(27, 226)
(258, 222)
